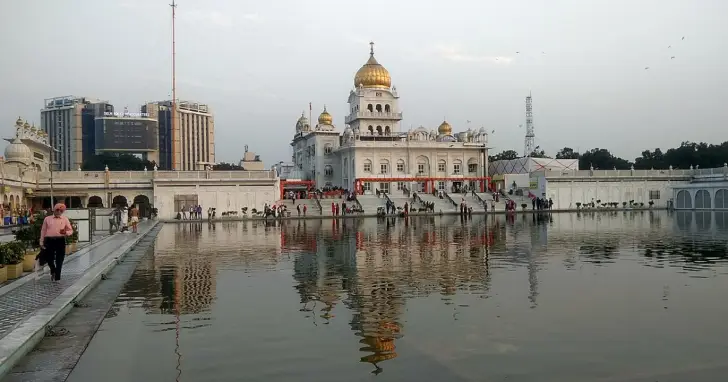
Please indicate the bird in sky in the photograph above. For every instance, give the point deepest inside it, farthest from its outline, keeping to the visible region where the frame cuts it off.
(672, 58)
(647, 67)
(518, 52)
(669, 47)
(683, 38)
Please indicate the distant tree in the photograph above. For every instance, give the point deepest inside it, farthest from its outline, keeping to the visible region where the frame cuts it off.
(116, 162)
(539, 154)
(224, 166)
(505, 155)
(702, 155)
(567, 153)
(602, 159)
(651, 159)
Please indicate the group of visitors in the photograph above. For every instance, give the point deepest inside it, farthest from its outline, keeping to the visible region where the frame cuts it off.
(122, 217)
(542, 203)
(193, 212)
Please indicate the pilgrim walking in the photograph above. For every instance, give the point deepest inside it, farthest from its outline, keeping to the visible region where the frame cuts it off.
(53, 235)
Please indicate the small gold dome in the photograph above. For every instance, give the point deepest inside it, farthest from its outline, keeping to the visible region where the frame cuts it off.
(372, 74)
(325, 118)
(19, 122)
(445, 128)
(26, 125)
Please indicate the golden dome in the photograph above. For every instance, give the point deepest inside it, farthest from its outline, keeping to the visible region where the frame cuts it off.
(26, 125)
(372, 74)
(445, 128)
(325, 118)
(19, 122)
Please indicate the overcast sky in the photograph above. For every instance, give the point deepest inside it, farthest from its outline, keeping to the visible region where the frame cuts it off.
(259, 63)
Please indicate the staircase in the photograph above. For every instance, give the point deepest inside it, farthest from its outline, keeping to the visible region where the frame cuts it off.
(473, 202)
(400, 200)
(312, 210)
(488, 197)
(444, 205)
(370, 203)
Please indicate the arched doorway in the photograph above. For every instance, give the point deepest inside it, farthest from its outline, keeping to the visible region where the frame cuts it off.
(95, 202)
(145, 208)
(119, 200)
(684, 201)
(702, 199)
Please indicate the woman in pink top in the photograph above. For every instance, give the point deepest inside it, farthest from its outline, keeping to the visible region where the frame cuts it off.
(53, 239)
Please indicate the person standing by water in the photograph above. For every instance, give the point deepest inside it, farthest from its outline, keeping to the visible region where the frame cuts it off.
(134, 217)
(53, 235)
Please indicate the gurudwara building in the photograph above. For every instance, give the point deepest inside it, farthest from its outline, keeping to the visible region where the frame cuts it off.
(373, 153)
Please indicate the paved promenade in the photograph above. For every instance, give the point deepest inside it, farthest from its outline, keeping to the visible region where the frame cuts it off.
(29, 306)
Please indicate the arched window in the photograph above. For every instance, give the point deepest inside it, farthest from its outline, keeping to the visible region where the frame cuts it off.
(379, 130)
(379, 108)
(702, 199)
(384, 166)
(472, 165)
(328, 149)
(370, 107)
(367, 165)
(423, 165)
(441, 165)
(371, 130)
(684, 201)
(721, 198)
(328, 170)
(400, 165)
(457, 167)
(386, 108)
(386, 130)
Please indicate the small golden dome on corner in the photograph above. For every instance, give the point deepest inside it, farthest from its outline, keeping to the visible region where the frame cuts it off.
(372, 74)
(445, 128)
(26, 125)
(19, 122)
(325, 118)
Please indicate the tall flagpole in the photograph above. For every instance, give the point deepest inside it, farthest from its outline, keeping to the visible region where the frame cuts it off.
(174, 91)
(310, 121)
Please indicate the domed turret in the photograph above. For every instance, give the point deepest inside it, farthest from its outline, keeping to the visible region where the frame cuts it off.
(19, 122)
(445, 128)
(325, 118)
(17, 151)
(302, 124)
(372, 74)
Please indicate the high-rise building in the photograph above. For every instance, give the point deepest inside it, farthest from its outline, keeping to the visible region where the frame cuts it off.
(69, 121)
(191, 145)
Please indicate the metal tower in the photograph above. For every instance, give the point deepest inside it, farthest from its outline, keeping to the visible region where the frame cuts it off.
(530, 142)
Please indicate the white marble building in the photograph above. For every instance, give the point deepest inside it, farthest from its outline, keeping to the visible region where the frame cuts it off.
(372, 152)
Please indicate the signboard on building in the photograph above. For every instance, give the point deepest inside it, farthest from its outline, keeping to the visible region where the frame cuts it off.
(126, 134)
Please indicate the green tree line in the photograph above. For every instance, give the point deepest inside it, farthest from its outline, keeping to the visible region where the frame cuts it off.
(128, 162)
(702, 155)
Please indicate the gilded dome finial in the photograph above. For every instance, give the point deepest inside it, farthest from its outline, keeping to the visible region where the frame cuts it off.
(372, 74)
(325, 118)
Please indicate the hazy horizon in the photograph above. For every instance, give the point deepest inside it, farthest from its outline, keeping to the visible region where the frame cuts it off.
(258, 65)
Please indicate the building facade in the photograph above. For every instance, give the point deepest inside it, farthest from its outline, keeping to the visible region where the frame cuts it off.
(69, 122)
(188, 141)
(373, 153)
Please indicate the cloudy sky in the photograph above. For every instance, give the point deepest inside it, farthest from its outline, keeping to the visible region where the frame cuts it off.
(259, 64)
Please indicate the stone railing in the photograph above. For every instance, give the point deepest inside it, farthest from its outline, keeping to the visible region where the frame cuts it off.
(693, 172)
(81, 176)
(218, 175)
(372, 114)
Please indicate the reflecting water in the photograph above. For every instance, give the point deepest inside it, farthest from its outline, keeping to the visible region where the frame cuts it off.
(626, 296)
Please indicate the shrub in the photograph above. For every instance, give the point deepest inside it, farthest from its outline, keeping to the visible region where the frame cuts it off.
(524, 205)
(578, 204)
(624, 204)
(14, 252)
(30, 234)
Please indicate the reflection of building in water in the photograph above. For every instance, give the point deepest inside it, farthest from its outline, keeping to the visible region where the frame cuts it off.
(380, 265)
(185, 275)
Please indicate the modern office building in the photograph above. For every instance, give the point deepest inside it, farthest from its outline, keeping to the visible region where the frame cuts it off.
(69, 123)
(192, 143)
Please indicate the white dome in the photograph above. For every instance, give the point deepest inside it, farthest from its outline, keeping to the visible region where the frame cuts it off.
(482, 130)
(17, 151)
